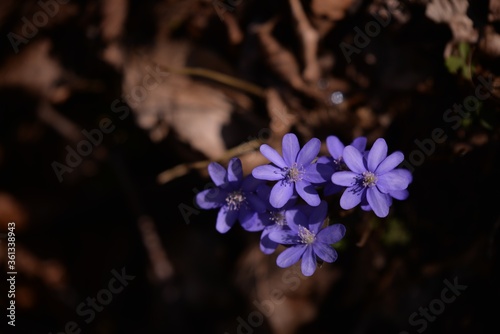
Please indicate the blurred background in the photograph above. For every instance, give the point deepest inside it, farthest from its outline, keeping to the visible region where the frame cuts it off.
(111, 110)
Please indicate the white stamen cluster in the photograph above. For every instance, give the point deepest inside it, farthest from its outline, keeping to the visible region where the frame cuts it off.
(235, 199)
(294, 173)
(278, 217)
(369, 179)
(306, 236)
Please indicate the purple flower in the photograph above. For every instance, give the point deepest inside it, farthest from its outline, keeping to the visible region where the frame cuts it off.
(336, 160)
(233, 194)
(372, 181)
(293, 171)
(271, 220)
(307, 239)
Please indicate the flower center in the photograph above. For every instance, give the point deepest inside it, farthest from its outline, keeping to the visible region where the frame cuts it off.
(278, 217)
(369, 179)
(235, 199)
(294, 173)
(306, 236)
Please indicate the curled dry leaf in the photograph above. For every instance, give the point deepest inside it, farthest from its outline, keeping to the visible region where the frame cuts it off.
(114, 14)
(163, 100)
(454, 13)
(326, 13)
(279, 59)
(334, 10)
(489, 44)
(494, 14)
(33, 69)
(309, 38)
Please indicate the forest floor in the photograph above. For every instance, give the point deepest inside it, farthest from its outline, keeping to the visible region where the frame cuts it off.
(112, 110)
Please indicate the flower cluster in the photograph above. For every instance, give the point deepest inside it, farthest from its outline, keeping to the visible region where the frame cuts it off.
(282, 199)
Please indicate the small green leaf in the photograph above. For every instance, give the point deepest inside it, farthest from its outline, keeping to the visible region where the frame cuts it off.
(396, 234)
(458, 63)
(454, 64)
(340, 245)
(485, 124)
(463, 50)
(466, 122)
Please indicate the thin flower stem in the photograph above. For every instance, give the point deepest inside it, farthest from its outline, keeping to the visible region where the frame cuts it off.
(183, 169)
(366, 234)
(213, 75)
(222, 78)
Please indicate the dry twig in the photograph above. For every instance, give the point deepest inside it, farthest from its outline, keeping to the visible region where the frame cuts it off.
(309, 38)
